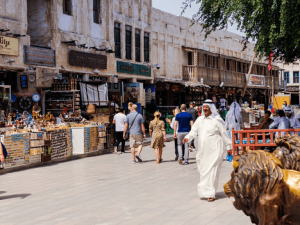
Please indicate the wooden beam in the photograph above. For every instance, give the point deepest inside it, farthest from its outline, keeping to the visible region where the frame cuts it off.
(248, 77)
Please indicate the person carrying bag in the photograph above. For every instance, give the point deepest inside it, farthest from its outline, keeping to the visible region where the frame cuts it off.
(128, 131)
(136, 134)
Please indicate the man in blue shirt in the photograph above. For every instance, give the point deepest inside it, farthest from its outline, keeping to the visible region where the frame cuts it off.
(281, 123)
(184, 122)
(294, 122)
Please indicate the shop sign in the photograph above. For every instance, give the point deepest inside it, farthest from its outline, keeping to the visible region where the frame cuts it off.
(89, 60)
(39, 56)
(9, 46)
(256, 80)
(131, 68)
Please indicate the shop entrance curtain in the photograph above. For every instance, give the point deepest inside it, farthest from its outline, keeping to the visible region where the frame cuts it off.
(94, 93)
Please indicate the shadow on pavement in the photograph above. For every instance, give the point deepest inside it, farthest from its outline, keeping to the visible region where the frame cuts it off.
(146, 161)
(14, 196)
(221, 195)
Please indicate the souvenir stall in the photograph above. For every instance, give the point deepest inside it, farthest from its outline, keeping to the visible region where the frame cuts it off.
(252, 114)
(45, 125)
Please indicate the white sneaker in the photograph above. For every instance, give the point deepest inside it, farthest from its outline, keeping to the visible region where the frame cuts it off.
(116, 150)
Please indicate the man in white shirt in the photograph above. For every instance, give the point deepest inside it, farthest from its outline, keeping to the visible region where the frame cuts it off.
(223, 103)
(119, 121)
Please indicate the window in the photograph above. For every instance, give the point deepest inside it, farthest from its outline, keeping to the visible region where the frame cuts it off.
(239, 67)
(137, 45)
(128, 42)
(67, 7)
(190, 58)
(228, 64)
(146, 47)
(296, 77)
(117, 40)
(206, 60)
(287, 77)
(96, 11)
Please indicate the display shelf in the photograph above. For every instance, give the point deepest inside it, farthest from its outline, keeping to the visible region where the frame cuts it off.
(56, 97)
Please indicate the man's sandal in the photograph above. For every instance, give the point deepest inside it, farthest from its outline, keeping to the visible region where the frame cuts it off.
(210, 199)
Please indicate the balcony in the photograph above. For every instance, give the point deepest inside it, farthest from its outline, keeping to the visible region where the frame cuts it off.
(213, 77)
(189, 73)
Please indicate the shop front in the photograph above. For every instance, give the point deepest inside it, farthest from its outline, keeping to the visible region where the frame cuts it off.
(55, 113)
(135, 80)
(171, 93)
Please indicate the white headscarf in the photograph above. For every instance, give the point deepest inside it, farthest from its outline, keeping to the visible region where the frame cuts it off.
(289, 110)
(234, 118)
(213, 110)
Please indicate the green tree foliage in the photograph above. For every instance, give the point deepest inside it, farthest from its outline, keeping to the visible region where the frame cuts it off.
(274, 24)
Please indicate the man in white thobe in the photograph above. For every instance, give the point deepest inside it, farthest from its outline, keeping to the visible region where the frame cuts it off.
(212, 138)
(234, 118)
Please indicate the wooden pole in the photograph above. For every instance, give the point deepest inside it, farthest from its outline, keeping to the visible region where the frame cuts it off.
(248, 77)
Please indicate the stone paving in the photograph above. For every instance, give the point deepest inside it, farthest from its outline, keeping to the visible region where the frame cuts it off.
(109, 189)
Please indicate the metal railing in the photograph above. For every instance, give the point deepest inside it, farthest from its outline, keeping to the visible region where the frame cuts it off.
(256, 138)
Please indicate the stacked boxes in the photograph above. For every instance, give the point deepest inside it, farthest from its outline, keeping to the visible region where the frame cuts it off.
(17, 146)
(90, 139)
(101, 136)
(37, 144)
(60, 143)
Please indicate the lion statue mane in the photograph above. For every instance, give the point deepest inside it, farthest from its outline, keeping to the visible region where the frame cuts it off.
(264, 190)
(288, 151)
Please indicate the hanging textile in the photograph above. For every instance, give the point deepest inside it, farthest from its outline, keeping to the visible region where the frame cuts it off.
(94, 93)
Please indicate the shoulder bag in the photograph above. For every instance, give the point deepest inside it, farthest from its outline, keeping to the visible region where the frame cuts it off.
(128, 131)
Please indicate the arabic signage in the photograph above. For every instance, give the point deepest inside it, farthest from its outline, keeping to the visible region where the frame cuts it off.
(39, 56)
(124, 67)
(256, 80)
(85, 59)
(9, 46)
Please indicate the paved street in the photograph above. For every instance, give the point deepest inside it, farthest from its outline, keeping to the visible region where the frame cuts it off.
(109, 189)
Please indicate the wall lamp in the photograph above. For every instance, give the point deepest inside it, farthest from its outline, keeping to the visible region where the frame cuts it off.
(110, 51)
(157, 66)
(19, 35)
(69, 43)
(82, 46)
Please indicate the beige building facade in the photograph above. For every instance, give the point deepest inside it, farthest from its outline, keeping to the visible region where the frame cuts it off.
(289, 80)
(120, 40)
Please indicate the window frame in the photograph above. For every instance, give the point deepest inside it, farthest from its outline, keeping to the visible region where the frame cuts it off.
(67, 7)
(137, 36)
(146, 50)
(295, 78)
(117, 27)
(286, 78)
(96, 11)
(128, 42)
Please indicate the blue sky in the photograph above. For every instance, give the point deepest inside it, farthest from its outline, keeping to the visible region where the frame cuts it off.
(174, 7)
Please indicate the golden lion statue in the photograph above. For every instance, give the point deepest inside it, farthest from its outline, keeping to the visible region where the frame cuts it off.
(263, 189)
